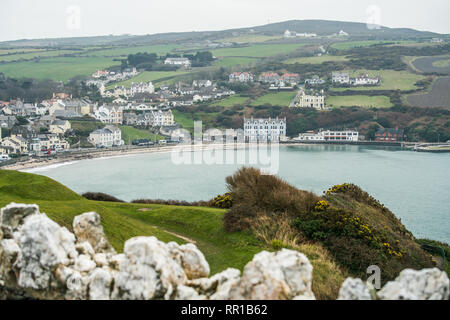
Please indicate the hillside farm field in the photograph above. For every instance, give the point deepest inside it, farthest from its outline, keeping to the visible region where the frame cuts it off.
(316, 60)
(229, 62)
(346, 45)
(36, 55)
(439, 96)
(231, 101)
(257, 50)
(155, 76)
(281, 99)
(390, 80)
(432, 64)
(360, 101)
(58, 69)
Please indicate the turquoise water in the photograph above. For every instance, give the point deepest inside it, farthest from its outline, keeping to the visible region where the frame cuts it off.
(415, 186)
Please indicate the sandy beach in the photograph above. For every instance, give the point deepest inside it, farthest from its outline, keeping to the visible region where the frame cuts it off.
(67, 158)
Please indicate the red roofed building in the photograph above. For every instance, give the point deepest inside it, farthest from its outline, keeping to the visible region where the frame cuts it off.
(269, 77)
(292, 78)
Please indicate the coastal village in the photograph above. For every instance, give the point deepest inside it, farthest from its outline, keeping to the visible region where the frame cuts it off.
(46, 128)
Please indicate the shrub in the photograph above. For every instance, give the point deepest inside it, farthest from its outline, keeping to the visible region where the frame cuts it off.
(277, 244)
(256, 194)
(175, 202)
(223, 201)
(99, 196)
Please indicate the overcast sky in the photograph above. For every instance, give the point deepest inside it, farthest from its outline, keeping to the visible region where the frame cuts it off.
(29, 19)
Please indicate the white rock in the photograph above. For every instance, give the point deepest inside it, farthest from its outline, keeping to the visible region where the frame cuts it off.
(226, 280)
(9, 251)
(83, 263)
(354, 289)
(87, 227)
(147, 271)
(12, 216)
(275, 276)
(426, 284)
(100, 284)
(85, 247)
(77, 285)
(188, 293)
(101, 259)
(194, 263)
(44, 245)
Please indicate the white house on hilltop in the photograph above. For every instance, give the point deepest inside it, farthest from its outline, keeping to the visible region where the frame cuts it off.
(178, 62)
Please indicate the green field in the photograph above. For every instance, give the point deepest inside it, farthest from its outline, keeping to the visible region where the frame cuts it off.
(58, 69)
(20, 50)
(361, 101)
(316, 60)
(257, 51)
(124, 51)
(231, 101)
(129, 134)
(36, 54)
(122, 221)
(442, 63)
(186, 120)
(147, 76)
(390, 80)
(229, 62)
(251, 38)
(281, 99)
(346, 45)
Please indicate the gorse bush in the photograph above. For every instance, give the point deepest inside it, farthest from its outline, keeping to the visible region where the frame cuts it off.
(357, 229)
(223, 201)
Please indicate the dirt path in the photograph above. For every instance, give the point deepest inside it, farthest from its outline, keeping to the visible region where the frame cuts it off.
(177, 235)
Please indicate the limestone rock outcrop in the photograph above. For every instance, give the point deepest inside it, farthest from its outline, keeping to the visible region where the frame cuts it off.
(39, 259)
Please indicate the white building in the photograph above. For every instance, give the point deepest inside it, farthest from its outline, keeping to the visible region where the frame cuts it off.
(340, 77)
(365, 80)
(106, 137)
(311, 101)
(162, 118)
(178, 62)
(141, 87)
(241, 77)
(109, 114)
(328, 135)
(264, 129)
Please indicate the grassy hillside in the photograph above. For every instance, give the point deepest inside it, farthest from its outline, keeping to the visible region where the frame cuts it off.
(201, 225)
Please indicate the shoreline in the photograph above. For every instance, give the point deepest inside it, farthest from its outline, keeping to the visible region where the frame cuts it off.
(69, 158)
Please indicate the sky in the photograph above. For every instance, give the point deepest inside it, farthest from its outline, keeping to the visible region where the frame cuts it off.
(31, 19)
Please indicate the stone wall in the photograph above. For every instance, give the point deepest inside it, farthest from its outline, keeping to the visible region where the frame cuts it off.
(41, 260)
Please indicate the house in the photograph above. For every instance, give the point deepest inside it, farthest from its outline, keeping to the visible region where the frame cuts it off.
(60, 126)
(16, 144)
(141, 87)
(340, 77)
(178, 62)
(162, 118)
(240, 77)
(390, 135)
(311, 101)
(314, 81)
(106, 137)
(328, 135)
(72, 106)
(202, 83)
(342, 33)
(291, 78)
(264, 129)
(365, 80)
(109, 114)
(7, 121)
(269, 77)
(50, 141)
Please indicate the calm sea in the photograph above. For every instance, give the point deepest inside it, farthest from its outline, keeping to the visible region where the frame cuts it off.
(415, 186)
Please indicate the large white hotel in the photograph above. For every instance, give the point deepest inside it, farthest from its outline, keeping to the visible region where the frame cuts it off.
(264, 129)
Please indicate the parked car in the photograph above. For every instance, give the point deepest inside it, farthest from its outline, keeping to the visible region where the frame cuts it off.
(4, 157)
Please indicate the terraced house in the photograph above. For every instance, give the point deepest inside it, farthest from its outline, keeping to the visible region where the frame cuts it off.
(264, 129)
